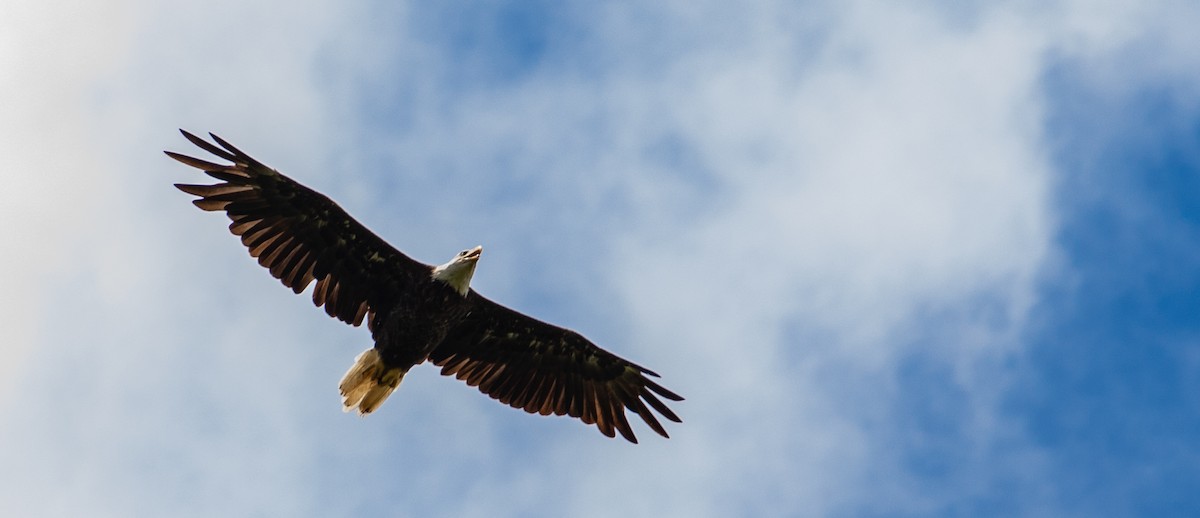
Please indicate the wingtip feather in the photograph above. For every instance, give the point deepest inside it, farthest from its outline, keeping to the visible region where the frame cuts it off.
(660, 407)
(662, 391)
(229, 147)
(207, 146)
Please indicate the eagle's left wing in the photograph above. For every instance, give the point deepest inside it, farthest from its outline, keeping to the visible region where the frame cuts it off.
(545, 369)
(302, 237)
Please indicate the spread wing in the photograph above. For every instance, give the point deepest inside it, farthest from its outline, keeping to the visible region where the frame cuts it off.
(545, 369)
(302, 236)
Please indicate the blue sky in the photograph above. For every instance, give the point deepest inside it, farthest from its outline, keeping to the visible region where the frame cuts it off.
(903, 259)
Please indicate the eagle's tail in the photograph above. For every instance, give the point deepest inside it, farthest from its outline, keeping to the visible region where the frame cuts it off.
(368, 383)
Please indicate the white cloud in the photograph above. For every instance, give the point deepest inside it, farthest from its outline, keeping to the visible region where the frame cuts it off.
(774, 208)
(51, 59)
(903, 181)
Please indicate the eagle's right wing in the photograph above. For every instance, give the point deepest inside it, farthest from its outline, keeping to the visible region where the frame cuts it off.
(302, 236)
(542, 368)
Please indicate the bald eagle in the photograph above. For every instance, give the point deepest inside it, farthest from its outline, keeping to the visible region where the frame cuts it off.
(418, 312)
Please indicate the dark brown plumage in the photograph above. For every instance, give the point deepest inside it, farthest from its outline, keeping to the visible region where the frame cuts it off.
(303, 237)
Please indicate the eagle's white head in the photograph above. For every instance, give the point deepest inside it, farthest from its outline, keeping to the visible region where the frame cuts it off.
(458, 271)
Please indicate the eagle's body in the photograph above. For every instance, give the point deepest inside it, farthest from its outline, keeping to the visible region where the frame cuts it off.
(417, 324)
(414, 326)
(417, 312)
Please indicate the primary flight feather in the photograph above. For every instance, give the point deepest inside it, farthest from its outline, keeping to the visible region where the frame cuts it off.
(418, 312)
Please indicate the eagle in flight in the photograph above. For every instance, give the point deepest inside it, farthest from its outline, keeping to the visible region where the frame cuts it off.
(418, 312)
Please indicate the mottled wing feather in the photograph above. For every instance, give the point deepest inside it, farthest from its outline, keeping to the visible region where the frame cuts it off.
(544, 369)
(301, 236)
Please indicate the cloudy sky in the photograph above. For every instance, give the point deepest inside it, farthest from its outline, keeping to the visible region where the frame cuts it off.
(902, 258)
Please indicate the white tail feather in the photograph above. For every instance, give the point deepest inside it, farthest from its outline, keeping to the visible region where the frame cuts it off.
(368, 383)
